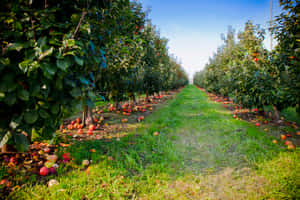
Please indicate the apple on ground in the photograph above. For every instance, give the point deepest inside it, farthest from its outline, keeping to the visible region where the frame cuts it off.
(156, 133)
(92, 127)
(52, 170)
(283, 137)
(287, 142)
(90, 132)
(44, 171)
(291, 147)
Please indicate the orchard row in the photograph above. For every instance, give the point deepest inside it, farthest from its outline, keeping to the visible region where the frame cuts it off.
(253, 76)
(59, 57)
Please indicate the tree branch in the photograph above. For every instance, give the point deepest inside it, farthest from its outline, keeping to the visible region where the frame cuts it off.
(79, 24)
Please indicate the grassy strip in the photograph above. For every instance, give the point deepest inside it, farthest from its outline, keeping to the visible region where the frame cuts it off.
(200, 153)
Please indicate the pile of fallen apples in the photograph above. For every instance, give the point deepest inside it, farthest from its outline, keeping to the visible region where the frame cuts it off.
(40, 159)
(240, 110)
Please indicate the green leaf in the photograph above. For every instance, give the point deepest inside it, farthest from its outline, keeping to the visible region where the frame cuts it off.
(31, 117)
(63, 64)
(7, 83)
(2, 95)
(70, 82)
(5, 138)
(46, 53)
(42, 41)
(10, 99)
(24, 65)
(44, 114)
(55, 109)
(70, 42)
(79, 61)
(84, 80)
(15, 46)
(43, 104)
(49, 70)
(23, 95)
(21, 142)
(75, 92)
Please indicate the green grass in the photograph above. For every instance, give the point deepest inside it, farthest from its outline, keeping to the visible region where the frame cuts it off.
(201, 153)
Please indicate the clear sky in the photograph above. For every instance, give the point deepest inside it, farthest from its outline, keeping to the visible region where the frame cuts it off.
(194, 27)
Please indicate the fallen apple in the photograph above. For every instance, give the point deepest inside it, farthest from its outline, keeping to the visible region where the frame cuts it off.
(287, 142)
(283, 137)
(52, 158)
(124, 120)
(52, 183)
(52, 170)
(92, 127)
(85, 162)
(49, 164)
(156, 133)
(47, 150)
(90, 132)
(291, 147)
(44, 171)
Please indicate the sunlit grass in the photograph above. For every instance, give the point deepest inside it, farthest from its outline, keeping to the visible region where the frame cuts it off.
(200, 153)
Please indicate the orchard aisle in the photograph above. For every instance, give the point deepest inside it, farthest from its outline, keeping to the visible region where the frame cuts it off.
(191, 148)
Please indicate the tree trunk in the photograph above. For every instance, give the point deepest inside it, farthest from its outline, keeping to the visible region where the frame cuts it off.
(4, 148)
(133, 99)
(276, 113)
(118, 105)
(87, 116)
(147, 97)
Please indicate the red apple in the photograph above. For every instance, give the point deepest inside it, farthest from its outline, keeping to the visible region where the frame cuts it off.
(291, 147)
(80, 131)
(257, 124)
(73, 122)
(66, 156)
(90, 132)
(44, 171)
(47, 150)
(52, 170)
(156, 133)
(287, 142)
(283, 137)
(13, 160)
(255, 59)
(92, 127)
(3, 181)
(78, 120)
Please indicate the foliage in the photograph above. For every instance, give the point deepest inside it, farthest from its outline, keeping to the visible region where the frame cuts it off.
(56, 56)
(253, 76)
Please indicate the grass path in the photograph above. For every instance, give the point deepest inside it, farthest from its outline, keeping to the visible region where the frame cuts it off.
(200, 153)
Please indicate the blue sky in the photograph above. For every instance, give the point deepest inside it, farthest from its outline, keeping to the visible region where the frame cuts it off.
(194, 27)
